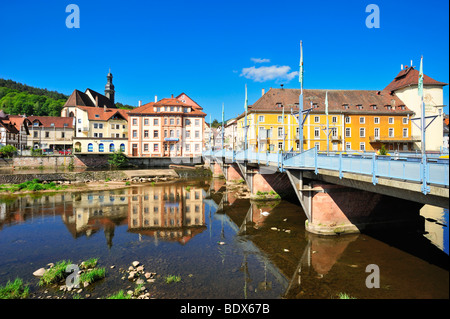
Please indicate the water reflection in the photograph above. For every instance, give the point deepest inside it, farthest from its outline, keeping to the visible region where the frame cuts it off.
(233, 248)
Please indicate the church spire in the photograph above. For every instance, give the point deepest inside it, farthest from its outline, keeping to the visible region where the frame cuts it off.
(109, 87)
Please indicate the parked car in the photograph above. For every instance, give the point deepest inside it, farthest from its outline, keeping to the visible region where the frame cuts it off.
(47, 151)
(65, 152)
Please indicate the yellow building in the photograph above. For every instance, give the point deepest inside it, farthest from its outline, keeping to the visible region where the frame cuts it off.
(360, 120)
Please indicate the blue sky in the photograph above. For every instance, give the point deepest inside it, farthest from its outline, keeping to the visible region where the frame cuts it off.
(210, 49)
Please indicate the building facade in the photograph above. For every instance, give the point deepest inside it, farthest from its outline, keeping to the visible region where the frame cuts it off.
(99, 126)
(358, 120)
(169, 127)
(50, 132)
(14, 130)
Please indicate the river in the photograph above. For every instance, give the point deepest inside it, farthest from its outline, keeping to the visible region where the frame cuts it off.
(220, 246)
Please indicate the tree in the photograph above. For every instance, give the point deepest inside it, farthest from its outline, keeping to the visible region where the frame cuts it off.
(118, 159)
(7, 151)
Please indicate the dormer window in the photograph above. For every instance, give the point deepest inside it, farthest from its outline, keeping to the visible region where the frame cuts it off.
(345, 106)
(97, 116)
(359, 107)
(388, 107)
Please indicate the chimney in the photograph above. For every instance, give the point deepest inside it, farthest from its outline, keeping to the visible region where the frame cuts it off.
(156, 98)
(140, 103)
(96, 100)
(172, 96)
(402, 67)
(263, 92)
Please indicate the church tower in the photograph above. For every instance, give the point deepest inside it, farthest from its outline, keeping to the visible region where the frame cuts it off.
(109, 87)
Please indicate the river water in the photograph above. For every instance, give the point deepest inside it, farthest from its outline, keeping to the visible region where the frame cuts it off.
(220, 246)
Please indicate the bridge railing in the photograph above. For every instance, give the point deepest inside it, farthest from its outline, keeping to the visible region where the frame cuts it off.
(413, 168)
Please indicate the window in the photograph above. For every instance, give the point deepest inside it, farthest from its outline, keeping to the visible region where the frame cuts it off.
(405, 120)
(171, 109)
(280, 119)
(280, 132)
(188, 147)
(100, 125)
(197, 134)
(155, 147)
(391, 120)
(197, 122)
(280, 145)
(113, 126)
(348, 132)
(100, 147)
(334, 132)
(376, 120)
(171, 133)
(317, 145)
(316, 119)
(348, 146)
(122, 147)
(155, 122)
(362, 146)
(377, 132)
(111, 148)
(134, 133)
(172, 121)
(178, 121)
(391, 132)
(90, 147)
(362, 120)
(405, 132)
(334, 119)
(63, 134)
(261, 118)
(197, 147)
(97, 116)
(155, 133)
(145, 121)
(146, 133)
(145, 147)
(347, 120)
(95, 125)
(47, 134)
(188, 134)
(316, 132)
(187, 122)
(165, 121)
(362, 132)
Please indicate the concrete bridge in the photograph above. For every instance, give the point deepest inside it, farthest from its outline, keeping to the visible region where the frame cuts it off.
(339, 192)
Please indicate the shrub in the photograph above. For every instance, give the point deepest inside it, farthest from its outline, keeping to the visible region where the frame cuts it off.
(7, 151)
(14, 290)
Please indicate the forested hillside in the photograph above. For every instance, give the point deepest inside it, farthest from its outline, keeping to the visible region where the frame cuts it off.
(17, 98)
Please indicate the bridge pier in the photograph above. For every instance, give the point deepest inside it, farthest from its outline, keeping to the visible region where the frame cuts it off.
(334, 209)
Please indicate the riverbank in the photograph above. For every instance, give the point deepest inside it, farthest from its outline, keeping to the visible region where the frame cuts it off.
(14, 184)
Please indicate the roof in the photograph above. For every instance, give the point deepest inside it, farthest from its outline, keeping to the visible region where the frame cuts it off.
(357, 101)
(103, 114)
(89, 98)
(410, 76)
(13, 123)
(150, 108)
(58, 122)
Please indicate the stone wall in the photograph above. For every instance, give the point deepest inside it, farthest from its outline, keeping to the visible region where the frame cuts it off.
(70, 176)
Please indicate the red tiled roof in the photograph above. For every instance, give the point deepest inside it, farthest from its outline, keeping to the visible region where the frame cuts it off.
(57, 122)
(357, 101)
(103, 114)
(149, 108)
(410, 76)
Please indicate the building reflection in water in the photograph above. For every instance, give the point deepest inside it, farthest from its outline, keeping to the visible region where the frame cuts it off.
(172, 212)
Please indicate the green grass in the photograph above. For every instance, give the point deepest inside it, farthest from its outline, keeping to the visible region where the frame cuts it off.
(343, 295)
(93, 275)
(33, 185)
(14, 290)
(90, 263)
(55, 274)
(120, 295)
(172, 278)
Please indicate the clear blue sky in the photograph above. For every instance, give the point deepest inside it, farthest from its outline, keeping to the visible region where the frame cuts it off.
(210, 49)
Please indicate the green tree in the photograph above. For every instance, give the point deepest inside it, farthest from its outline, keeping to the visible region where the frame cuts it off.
(7, 151)
(118, 159)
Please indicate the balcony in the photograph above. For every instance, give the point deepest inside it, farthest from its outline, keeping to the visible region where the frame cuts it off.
(393, 139)
(335, 137)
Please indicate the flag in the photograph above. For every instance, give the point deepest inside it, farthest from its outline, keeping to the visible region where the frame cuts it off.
(300, 75)
(420, 88)
(326, 103)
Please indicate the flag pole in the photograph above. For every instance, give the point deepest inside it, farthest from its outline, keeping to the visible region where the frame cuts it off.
(223, 130)
(328, 127)
(245, 122)
(300, 102)
(422, 104)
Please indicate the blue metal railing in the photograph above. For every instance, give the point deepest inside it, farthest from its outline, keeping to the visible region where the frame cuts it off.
(426, 170)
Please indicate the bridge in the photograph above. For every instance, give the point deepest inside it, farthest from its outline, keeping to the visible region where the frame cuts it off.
(342, 192)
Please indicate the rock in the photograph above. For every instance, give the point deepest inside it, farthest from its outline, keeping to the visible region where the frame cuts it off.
(140, 268)
(286, 250)
(131, 268)
(139, 281)
(40, 272)
(112, 267)
(135, 263)
(85, 284)
(131, 275)
(147, 275)
(50, 265)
